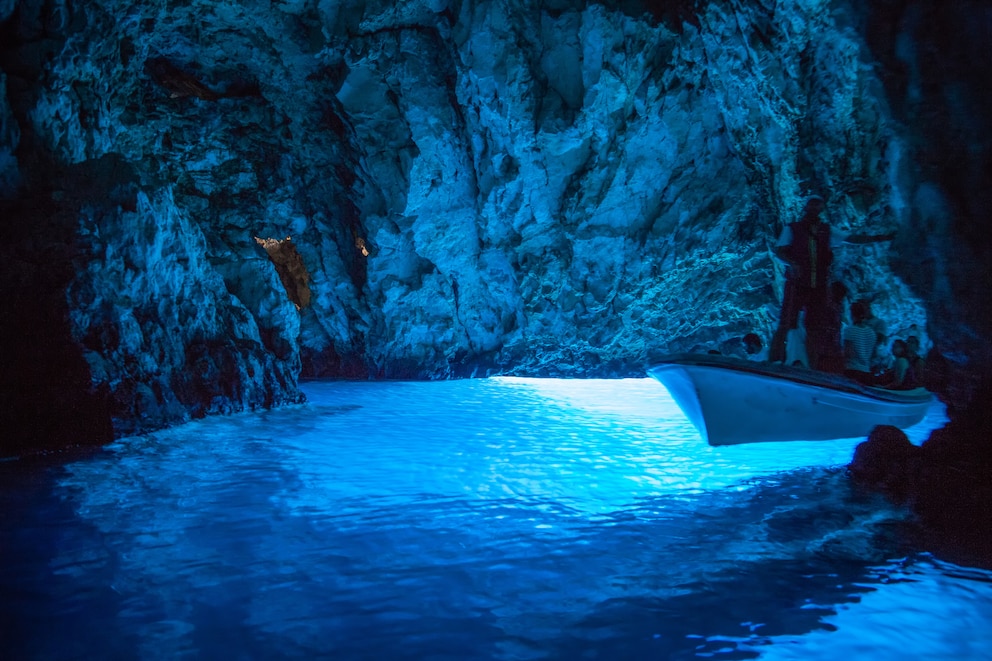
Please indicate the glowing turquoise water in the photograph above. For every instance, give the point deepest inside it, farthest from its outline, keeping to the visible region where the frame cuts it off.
(486, 519)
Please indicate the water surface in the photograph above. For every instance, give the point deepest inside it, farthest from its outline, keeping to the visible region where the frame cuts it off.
(476, 519)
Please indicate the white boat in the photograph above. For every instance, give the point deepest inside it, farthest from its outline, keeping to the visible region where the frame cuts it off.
(733, 401)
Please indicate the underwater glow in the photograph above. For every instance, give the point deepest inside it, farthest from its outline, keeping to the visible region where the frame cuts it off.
(475, 519)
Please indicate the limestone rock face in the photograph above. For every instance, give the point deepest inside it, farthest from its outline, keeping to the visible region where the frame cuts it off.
(147, 298)
(604, 187)
(471, 187)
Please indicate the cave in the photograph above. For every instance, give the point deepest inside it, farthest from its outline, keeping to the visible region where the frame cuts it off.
(202, 206)
(613, 170)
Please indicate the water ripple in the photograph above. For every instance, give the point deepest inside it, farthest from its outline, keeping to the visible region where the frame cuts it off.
(501, 518)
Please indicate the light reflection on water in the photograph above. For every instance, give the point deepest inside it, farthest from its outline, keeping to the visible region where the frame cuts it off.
(499, 518)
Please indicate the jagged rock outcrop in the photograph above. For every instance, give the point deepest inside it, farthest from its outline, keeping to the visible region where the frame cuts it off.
(193, 332)
(944, 481)
(547, 188)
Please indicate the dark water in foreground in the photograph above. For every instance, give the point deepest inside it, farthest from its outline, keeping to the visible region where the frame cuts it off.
(485, 519)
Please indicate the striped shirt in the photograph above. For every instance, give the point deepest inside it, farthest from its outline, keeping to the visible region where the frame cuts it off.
(862, 341)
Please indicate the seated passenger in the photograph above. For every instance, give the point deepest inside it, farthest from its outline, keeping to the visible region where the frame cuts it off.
(859, 343)
(903, 376)
(754, 348)
(881, 358)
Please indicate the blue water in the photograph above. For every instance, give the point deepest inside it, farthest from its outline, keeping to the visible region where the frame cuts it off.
(482, 519)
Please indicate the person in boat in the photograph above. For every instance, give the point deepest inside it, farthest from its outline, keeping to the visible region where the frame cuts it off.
(881, 357)
(755, 348)
(915, 334)
(827, 332)
(902, 376)
(859, 343)
(806, 246)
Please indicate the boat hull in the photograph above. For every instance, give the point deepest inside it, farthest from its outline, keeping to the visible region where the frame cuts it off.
(731, 401)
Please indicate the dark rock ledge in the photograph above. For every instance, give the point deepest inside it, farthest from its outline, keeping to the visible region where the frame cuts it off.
(945, 482)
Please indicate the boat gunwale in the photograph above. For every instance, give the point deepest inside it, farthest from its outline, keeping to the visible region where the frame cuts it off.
(800, 375)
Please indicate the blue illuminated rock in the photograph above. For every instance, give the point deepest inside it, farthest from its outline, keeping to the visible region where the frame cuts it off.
(195, 333)
(480, 187)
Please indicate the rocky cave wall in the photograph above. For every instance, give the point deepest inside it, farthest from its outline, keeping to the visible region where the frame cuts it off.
(931, 60)
(494, 186)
